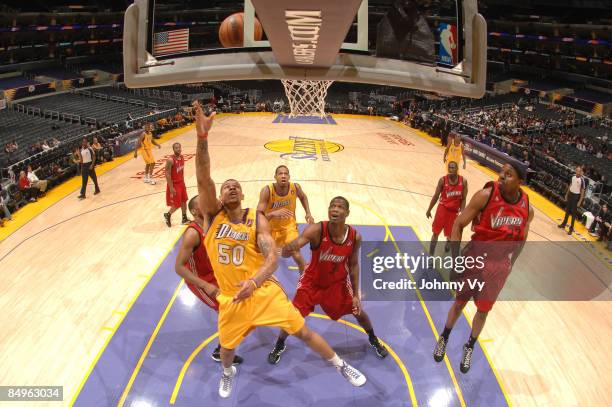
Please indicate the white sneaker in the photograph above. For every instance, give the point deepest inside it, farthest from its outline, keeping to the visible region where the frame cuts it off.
(146, 180)
(225, 384)
(354, 376)
(151, 181)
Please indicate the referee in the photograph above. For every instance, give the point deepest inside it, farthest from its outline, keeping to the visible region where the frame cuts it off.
(88, 162)
(573, 198)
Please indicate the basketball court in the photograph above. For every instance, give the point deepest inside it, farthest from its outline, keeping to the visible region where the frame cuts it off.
(99, 304)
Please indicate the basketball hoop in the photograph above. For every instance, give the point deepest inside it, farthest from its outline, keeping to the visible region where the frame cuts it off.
(306, 97)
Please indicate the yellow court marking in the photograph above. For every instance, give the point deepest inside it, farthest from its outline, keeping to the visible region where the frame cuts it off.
(179, 380)
(421, 301)
(398, 360)
(293, 267)
(148, 346)
(123, 314)
(31, 210)
(373, 252)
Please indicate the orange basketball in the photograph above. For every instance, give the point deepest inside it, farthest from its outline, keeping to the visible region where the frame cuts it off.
(231, 32)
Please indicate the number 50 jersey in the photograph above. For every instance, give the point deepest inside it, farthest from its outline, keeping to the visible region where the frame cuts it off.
(233, 251)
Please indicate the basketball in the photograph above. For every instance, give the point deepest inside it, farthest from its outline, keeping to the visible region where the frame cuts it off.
(231, 32)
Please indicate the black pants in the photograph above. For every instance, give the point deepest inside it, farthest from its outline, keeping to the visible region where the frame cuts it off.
(570, 208)
(88, 171)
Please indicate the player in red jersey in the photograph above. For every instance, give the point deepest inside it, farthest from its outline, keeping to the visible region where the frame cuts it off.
(501, 215)
(176, 192)
(331, 280)
(193, 265)
(452, 191)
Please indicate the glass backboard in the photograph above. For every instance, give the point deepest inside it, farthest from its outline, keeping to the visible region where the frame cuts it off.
(422, 44)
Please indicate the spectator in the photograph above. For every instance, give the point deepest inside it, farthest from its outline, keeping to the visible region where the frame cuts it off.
(41, 185)
(26, 189)
(55, 142)
(4, 198)
(97, 147)
(601, 225)
(45, 146)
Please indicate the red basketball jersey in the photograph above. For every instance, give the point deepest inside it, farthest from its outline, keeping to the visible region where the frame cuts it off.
(178, 166)
(199, 263)
(501, 220)
(329, 263)
(452, 195)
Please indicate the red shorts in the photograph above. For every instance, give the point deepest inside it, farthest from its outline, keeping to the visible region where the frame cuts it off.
(493, 275)
(336, 300)
(179, 198)
(198, 292)
(444, 220)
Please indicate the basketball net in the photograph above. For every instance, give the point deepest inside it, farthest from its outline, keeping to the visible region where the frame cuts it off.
(306, 98)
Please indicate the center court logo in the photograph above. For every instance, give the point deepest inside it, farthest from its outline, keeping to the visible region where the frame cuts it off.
(301, 148)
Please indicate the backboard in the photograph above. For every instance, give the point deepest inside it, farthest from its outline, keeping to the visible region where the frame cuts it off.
(434, 45)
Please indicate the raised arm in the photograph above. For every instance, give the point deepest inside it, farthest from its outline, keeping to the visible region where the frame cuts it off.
(190, 242)
(209, 204)
(304, 200)
(435, 197)
(311, 235)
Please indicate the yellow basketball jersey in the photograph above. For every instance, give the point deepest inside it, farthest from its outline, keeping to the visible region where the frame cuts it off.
(455, 153)
(147, 144)
(287, 201)
(232, 249)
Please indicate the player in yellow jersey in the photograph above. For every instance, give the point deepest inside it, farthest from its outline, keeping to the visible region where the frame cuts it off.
(454, 152)
(278, 202)
(146, 141)
(244, 257)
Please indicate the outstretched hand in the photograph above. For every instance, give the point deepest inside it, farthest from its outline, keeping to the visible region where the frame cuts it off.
(203, 122)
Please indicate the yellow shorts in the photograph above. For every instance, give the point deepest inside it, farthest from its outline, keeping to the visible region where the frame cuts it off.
(268, 306)
(285, 235)
(147, 156)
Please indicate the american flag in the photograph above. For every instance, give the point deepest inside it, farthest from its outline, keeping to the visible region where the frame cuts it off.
(170, 42)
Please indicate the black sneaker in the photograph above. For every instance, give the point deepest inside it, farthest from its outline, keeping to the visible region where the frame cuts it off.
(275, 355)
(381, 351)
(466, 359)
(185, 220)
(569, 232)
(216, 356)
(96, 192)
(81, 197)
(561, 226)
(167, 217)
(440, 349)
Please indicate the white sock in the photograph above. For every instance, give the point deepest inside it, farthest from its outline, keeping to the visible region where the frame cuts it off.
(228, 371)
(336, 361)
